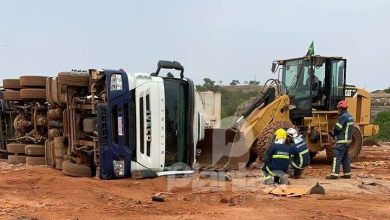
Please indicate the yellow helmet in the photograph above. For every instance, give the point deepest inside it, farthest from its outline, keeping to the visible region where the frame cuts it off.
(280, 134)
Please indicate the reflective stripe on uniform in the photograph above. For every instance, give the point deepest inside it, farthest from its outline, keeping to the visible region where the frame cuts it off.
(334, 165)
(281, 156)
(345, 141)
(347, 174)
(339, 125)
(334, 174)
(269, 171)
(301, 156)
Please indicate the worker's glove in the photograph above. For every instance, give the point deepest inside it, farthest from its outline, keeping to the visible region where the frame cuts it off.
(331, 133)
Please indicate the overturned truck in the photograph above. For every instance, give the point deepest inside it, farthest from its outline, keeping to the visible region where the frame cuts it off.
(23, 120)
(106, 123)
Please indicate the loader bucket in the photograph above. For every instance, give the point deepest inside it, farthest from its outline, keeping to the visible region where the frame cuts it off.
(222, 149)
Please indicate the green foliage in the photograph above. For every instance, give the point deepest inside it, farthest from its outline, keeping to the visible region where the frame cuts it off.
(235, 82)
(208, 85)
(232, 99)
(387, 90)
(254, 82)
(383, 120)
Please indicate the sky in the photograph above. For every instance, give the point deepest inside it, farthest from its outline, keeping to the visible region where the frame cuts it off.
(222, 40)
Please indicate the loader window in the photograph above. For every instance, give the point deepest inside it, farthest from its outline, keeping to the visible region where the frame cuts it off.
(294, 76)
(338, 81)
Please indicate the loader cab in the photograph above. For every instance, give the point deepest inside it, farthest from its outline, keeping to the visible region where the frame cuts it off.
(313, 82)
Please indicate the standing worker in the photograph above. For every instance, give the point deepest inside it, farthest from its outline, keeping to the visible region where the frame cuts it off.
(343, 134)
(300, 157)
(276, 160)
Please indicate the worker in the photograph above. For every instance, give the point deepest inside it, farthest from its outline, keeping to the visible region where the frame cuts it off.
(343, 134)
(300, 157)
(276, 160)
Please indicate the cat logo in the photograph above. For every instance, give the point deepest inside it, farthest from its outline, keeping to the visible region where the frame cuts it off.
(350, 92)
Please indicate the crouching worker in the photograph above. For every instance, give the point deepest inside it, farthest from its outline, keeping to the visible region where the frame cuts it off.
(276, 160)
(300, 156)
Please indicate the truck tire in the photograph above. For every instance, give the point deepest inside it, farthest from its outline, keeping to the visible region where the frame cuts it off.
(73, 79)
(35, 150)
(354, 149)
(265, 138)
(59, 163)
(35, 160)
(33, 81)
(11, 84)
(54, 114)
(16, 159)
(10, 95)
(16, 148)
(59, 148)
(49, 153)
(33, 93)
(77, 170)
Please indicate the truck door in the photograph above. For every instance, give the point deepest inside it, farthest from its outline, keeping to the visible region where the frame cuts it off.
(114, 127)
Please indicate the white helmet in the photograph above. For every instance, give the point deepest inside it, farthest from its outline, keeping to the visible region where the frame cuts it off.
(292, 133)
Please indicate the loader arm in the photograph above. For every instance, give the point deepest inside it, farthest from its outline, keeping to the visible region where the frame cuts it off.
(233, 153)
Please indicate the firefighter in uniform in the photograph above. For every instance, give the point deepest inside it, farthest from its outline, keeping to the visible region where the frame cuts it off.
(343, 134)
(276, 160)
(300, 157)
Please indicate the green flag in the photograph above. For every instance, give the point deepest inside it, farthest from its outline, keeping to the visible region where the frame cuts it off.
(310, 51)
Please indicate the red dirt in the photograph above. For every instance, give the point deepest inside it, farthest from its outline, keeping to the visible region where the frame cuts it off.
(28, 192)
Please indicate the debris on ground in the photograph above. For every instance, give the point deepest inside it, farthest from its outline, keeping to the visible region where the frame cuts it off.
(317, 189)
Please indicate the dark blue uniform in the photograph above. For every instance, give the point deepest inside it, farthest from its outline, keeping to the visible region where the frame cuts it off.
(276, 158)
(300, 157)
(343, 133)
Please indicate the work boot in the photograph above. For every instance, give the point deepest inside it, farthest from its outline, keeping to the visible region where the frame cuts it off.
(331, 177)
(346, 176)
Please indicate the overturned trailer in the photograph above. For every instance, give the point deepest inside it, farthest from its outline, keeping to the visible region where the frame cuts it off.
(108, 123)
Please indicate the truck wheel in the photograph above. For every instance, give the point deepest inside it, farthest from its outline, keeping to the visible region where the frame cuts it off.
(16, 159)
(59, 163)
(73, 169)
(33, 93)
(59, 149)
(16, 148)
(33, 81)
(11, 84)
(35, 160)
(266, 137)
(10, 95)
(73, 79)
(35, 150)
(353, 150)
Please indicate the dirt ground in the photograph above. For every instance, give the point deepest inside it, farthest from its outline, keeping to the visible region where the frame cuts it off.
(28, 192)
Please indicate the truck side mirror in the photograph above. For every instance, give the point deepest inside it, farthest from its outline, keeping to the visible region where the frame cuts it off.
(274, 66)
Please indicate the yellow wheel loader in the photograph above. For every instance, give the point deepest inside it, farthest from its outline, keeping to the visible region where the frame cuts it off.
(305, 97)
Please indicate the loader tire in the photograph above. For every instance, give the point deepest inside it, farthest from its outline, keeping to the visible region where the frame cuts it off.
(10, 95)
(266, 137)
(35, 160)
(33, 93)
(78, 170)
(33, 81)
(354, 149)
(16, 148)
(16, 159)
(73, 79)
(11, 84)
(35, 150)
